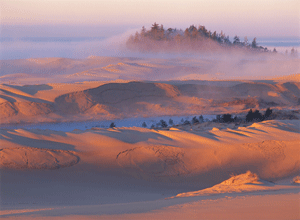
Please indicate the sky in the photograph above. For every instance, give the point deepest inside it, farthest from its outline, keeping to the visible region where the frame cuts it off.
(261, 18)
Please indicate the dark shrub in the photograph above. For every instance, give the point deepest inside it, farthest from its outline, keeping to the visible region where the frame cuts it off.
(186, 122)
(195, 120)
(227, 118)
(144, 125)
(112, 125)
(268, 113)
(201, 119)
(163, 124)
(256, 115)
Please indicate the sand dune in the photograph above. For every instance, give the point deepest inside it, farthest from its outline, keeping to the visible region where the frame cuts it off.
(241, 183)
(33, 158)
(238, 67)
(198, 159)
(153, 160)
(50, 102)
(207, 168)
(269, 149)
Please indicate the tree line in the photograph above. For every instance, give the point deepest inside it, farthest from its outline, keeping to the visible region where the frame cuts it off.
(196, 37)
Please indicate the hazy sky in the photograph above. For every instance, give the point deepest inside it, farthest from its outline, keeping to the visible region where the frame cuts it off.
(264, 18)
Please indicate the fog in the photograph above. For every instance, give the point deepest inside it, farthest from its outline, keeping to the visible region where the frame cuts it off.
(183, 63)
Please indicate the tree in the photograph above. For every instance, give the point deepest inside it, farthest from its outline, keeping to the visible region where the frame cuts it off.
(268, 113)
(144, 125)
(254, 44)
(163, 124)
(294, 52)
(143, 31)
(214, 36)
(155, 31)
(227, 118)
(274, 50)
(201, 119)
(171, 122)
(249, 116)
(112, 125)
(195, 120)
(186, 122)
(256, 115)
(236, 40)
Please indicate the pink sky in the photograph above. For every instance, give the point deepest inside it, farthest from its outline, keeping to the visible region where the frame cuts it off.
(276, 18)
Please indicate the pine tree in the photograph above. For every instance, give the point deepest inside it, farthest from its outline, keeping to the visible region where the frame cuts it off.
(236, 40)
(254, 44)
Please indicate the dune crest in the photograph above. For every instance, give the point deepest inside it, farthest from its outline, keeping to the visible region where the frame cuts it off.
(245, 182)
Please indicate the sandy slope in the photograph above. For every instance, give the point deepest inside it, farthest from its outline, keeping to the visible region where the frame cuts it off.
(108, 166)
(221, 67)
(211, 170)
(269, 149)
(73, 102)
(61, 89)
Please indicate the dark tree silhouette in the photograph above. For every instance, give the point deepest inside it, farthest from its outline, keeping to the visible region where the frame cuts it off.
(236, 40)
(249, 116)
(256, 115)
(163, 124)
(186, 122)
(201, 119)
(195, 120)
(192, 38)
(171, 122)
(227, 118)
(268, 113)
(254, 44)
(144, 125)
(112, 125)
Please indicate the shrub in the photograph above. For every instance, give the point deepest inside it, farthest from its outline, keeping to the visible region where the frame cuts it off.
(195, 120)
(201, 119)
(256, 115)
(163, 124)
(268, 113)
(186, 122)
(227, 118)
(144, 125)
(112, 125)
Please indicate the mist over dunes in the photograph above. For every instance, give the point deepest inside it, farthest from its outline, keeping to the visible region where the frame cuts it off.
(195, 161)
(104, 118)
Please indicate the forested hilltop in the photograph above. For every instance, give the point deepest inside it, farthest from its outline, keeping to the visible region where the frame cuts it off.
(192, 39)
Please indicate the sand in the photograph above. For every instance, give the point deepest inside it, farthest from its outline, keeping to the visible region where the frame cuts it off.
(204, 170)
(188, 163)
(80, 102)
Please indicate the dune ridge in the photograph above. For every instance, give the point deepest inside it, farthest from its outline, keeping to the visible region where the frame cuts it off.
(143, 99)
(246, 182)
